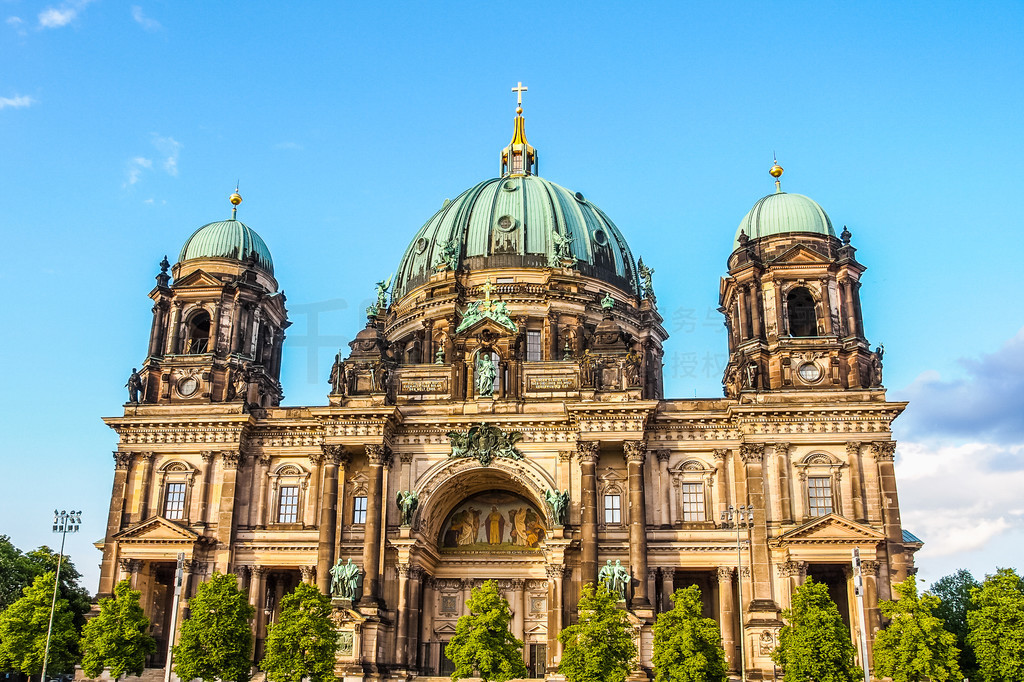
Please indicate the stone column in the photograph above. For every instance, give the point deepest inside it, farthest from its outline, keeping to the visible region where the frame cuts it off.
(316, 461)
(848, 309)
(588, 452)
(872, 616)
(333, 456)
(722, 477)
(401, 655)
(172, 337)
(555, 574)
(741, 309)
(519, 608)
(782, 461)
(230, 461)
(262, 484)
(727, 614)
(752, 455)
(236, 325)
(826, 307)
(667, 508)
(755, 309)
(380, 457)
(156, 331)
(429, 603)
(308, 574)
(144, 489)
(635, 452)
(667, 587)
(204, 486)
(884, 452)
(108, 566)
(413, 643)
(857, 490)
(779, 316)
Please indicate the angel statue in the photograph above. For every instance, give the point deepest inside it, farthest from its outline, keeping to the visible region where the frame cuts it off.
(646, 276)
(561, 250)
(407, 501)
(382, 293)
(559, 503)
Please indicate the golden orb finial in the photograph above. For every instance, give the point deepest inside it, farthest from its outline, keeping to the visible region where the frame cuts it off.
(519, 110)
(235, 198)
(776, 170)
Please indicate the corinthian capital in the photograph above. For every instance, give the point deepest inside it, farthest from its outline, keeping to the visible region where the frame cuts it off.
(587, 451)
(232, 458)
(884, 451)
(334, 454)
(752, 452)
(378, 454)
(634, 450)
(122, 460)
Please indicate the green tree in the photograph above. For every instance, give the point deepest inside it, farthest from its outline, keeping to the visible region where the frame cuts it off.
(118, 638)
(815, 643)
(216, 641)
(687, 646)
(915, 645)
(954, 592)
(23, 631)
(483, 641)
(599, 647)
(18, 570)
(997, 626)
(302, 644)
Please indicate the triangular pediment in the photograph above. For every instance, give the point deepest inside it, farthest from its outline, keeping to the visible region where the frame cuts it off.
(447, 628)
(485, 323)
(799, 254)
(158, 529)
(831, 529)
(537, 630)
(198, 278)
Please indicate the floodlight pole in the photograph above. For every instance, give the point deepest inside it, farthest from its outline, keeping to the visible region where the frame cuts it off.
(858, 589)
(64, 522)
(742, 517)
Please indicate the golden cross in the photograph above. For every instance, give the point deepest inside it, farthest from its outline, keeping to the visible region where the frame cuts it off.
(519, 90)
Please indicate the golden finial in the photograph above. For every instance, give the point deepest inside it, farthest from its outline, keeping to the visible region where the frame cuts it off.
(776, 172)
(235, 200)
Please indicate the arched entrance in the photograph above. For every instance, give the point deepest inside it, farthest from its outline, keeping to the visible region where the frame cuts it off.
(486, 523)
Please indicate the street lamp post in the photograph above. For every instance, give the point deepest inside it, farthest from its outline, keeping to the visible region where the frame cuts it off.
(64, 522)
(741, 518)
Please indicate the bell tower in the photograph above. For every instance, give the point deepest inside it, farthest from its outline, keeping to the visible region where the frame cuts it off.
(791, 302)
(218, 325)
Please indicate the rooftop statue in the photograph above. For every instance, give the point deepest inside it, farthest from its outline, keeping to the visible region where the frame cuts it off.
(561, 251)
(487, 308)
(345, 579)
(646, 276)
(559, 503)
(134, 386)
(448, 256)
(408, 501)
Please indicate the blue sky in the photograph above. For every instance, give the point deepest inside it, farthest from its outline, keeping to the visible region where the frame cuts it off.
(124, 127)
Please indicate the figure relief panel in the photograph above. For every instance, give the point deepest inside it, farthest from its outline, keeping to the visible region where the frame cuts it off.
(492, 521)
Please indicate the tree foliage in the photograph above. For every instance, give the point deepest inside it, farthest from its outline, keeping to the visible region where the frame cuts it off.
(118, 638)
(599, 647)
(23, 631)
(483, 641)
(303, 643)
(216, 641)
(915, 645)
(18, 570)
(954, 593)
(815, 643)
(997, 626)
(688, 646)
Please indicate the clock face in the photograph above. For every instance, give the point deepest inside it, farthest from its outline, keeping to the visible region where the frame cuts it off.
(809, 372)
(188, 386)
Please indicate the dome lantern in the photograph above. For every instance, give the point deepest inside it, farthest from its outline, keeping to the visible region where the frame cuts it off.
(519, 158)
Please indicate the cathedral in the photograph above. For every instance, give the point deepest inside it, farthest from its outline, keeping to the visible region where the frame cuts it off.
(502, 416)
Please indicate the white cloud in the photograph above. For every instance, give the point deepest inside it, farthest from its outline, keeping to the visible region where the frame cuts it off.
(16, 102)
(142, 20)
(169, 148)
(14, 21)
(135, 168)
(56, 17)
(959, 498)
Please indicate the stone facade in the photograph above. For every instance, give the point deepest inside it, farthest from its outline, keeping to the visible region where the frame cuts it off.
(277, 494)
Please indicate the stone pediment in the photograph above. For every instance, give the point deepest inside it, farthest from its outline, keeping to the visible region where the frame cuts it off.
(800, 254)
(158, 530)
(198, 278)
(831, 529)
(494, 328)
(446, 629)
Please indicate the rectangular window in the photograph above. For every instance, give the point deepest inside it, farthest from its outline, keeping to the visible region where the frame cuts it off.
(819, 495)
(538, 660)
(359, 510)
(447, 667)
(288, 505)
(693, 502)
(612, 509)
(174, 502)
(533, 345)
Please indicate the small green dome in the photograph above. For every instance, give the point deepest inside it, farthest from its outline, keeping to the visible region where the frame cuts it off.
(782, 213)
(227, 239)
(508, 223)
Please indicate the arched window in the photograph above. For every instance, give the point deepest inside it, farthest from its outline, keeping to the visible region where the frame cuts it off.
(802, 319)
(197, 333)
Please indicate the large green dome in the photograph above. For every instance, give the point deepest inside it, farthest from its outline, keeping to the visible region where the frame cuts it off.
(227, 239)
(508, 222)
(782, 213)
